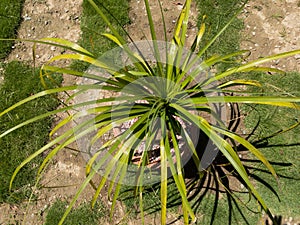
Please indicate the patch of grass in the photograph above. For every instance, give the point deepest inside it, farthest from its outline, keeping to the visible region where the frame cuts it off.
(10, 18)
(225, 213)
(21, 81)
(218, 13)
(84, 214)
(92, 27)
(282, 149)
(151, 198)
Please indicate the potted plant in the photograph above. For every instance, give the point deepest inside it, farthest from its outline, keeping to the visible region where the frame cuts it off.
(161, 97)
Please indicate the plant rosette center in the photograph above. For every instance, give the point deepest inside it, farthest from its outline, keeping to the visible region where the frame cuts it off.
(143, 112)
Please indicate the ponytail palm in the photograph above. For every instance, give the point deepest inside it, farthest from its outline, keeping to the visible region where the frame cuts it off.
(158, 102)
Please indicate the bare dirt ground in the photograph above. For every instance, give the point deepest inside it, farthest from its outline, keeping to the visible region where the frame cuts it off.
(46, 18)
(270, 27)
(139, 29)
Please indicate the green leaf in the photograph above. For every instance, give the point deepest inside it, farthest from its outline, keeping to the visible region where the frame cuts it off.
(113, 38)
(249, 147)
(70, 45)
(225, 148)
(164, 173)
(289, 102)
(251, 65)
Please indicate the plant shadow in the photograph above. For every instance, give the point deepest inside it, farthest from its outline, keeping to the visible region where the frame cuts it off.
(221, 181)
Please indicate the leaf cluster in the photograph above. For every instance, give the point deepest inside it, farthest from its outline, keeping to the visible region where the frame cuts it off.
(163, 98)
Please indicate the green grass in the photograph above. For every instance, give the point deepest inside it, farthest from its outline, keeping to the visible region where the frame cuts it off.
(83, 215)
(218, 13)
(21, 81)
(10, 18)
(280, 149)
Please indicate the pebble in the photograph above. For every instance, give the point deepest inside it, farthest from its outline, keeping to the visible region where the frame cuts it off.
(27, 18)
(53, 48)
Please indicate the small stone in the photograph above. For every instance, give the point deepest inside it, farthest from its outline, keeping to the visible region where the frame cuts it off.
(27, 18)
(253, 33)
(297, 57)
(53, 48)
